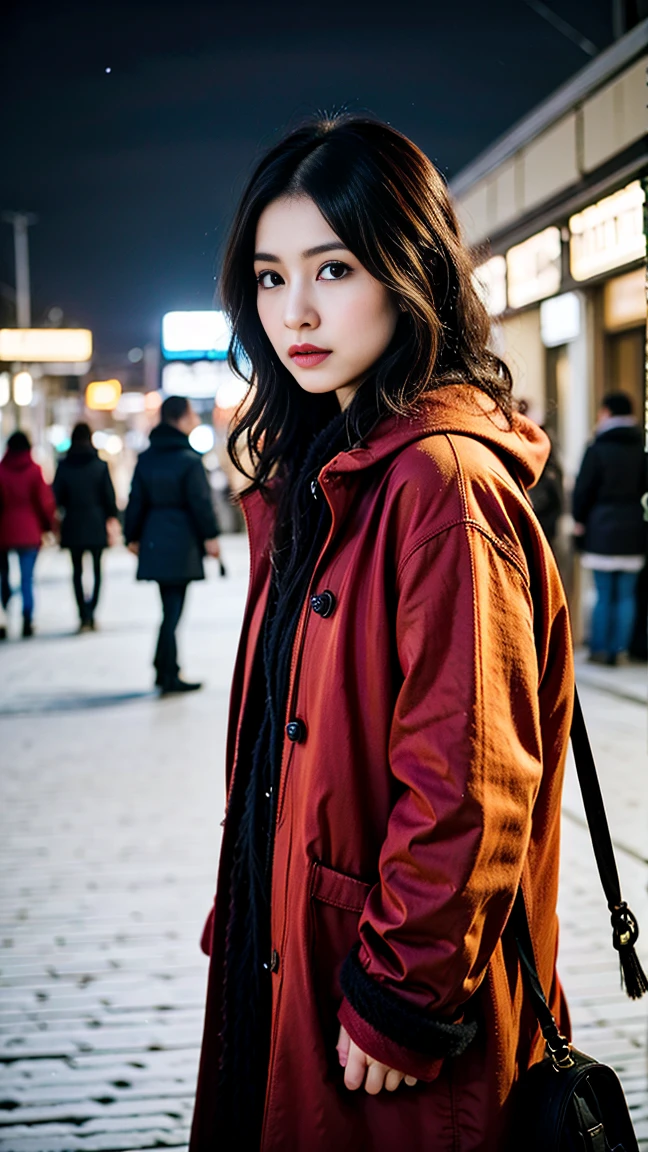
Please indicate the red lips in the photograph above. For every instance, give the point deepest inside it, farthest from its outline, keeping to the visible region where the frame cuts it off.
(304, 349)
(308, 355)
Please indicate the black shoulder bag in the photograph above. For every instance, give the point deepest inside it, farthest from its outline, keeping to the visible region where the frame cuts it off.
(568, 1102)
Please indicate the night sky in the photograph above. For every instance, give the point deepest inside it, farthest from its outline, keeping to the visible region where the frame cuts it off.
(134, 172)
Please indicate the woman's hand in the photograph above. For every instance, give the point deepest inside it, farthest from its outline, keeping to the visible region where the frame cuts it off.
(361, 1069)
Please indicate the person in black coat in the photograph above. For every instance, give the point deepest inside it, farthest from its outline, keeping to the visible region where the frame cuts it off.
(86, 500)
(609, 525)
(170, 524)
(547, 497)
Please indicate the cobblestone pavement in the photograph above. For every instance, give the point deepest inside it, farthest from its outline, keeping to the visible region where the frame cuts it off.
(111, 802)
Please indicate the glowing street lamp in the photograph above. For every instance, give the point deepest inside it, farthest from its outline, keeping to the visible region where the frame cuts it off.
(23, 389)
(103, 395)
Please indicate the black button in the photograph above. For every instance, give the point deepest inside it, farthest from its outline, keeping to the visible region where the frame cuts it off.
(296, 731)
(323, 603)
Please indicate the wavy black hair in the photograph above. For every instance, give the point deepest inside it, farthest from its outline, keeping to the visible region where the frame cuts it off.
(390, 206)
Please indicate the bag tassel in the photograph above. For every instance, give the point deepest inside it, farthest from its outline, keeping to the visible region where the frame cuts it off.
(625, 933)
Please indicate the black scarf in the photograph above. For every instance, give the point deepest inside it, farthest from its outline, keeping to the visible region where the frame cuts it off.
(303, 524)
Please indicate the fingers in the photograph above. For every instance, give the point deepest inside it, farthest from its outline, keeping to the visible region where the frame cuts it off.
(356, 1066)
(361, 1069)
(343, 1046)
(393, 1079)
(376, 1074)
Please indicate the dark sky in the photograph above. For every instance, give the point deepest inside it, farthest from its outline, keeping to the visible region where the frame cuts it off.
(134, 172)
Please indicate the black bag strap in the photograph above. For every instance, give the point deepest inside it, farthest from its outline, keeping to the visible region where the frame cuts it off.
(625, 929)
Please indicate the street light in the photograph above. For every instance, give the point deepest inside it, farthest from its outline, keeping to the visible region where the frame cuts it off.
(103, 395)
(23, 389)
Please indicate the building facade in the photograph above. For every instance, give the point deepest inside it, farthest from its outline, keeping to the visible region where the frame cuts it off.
(554, 212)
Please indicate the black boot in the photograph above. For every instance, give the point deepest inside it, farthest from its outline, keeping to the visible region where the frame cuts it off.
(175, 686)
(27, 626)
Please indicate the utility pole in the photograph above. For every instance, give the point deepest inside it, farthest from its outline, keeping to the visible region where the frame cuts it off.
(21, 222)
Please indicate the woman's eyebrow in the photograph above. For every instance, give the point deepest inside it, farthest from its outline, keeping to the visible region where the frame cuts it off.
(333, 246)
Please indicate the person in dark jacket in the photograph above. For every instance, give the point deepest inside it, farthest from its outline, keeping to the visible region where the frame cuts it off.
(609, 523)
(27, 510)
(170, 524)
(86, 498)
(547, 497)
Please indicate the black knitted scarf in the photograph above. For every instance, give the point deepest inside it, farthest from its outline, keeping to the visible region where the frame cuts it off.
(303, 523)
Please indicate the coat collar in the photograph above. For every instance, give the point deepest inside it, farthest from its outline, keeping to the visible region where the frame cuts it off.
(166, 436)
(454, 409)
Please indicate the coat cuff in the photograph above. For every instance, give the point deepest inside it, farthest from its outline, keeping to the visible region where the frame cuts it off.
(394, 1023)
(385, 1050)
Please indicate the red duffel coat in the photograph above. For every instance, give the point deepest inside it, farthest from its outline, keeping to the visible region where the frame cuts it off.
(435, 703)
(27, 504)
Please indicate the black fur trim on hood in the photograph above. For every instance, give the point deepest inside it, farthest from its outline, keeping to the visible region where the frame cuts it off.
(399, 1020)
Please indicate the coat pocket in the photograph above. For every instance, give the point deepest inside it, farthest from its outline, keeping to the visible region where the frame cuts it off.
(336, 904)
(337, 889)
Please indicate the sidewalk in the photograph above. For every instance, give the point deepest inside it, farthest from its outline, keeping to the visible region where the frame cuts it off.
(111, 803)
(630, 681)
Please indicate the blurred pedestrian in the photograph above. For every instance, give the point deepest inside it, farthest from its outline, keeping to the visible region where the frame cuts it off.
(86, 499)
(547, 497)
(27, 512)
(170, 523)
(609, 527)
(402, 698)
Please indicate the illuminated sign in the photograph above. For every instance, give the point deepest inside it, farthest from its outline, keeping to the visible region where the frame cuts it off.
(608, 234)
(624, 301)
(560, 320)
(43, 345)
(533, 268)
(103, 395)
(199, 381)
(490, 284)
(195, 336)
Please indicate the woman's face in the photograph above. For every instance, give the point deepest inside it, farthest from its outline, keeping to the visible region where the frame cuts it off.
(326, 317)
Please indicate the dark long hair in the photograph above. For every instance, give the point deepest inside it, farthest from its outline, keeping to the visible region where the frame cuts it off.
(388, 204)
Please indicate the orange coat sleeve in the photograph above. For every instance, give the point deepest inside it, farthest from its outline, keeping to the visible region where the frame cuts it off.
(465, 751)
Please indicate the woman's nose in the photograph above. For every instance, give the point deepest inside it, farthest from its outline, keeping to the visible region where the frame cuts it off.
(300, 311)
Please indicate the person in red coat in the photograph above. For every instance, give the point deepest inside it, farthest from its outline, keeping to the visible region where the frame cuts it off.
(27, 510)
(402, 695)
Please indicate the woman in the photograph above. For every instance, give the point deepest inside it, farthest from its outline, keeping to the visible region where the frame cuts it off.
(27, 510)
(86, 497)
(402, 694)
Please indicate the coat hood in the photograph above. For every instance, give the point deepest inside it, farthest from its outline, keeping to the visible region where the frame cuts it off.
(79, 455)
(460, 410)
(17, 461)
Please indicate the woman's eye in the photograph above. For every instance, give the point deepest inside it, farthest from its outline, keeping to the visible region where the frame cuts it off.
(334, 270)
(269, 280)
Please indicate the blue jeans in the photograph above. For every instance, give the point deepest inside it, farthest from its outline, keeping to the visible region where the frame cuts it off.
(27, 558)
(614, 611)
